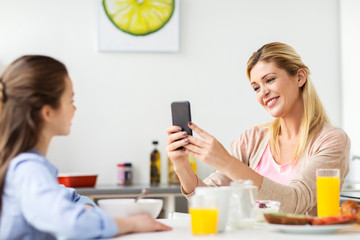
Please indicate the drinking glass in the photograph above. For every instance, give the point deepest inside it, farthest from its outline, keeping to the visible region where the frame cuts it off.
(222, 195)
(328, 192)
(204, 214)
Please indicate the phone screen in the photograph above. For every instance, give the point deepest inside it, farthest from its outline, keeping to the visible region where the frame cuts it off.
(181, 115)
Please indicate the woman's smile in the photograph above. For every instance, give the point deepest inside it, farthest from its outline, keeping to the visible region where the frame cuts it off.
(271, 101)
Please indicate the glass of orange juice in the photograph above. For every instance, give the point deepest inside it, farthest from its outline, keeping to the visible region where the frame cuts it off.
(328, 192)
(204, 214)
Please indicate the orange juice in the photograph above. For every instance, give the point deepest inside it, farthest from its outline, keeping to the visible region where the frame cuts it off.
(203, 220)
(328, 196)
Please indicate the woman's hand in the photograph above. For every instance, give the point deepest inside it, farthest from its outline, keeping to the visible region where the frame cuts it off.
(177, 139)
(209, 150)
(139, 223)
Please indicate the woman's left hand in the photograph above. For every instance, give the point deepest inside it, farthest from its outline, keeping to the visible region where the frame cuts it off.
(209, 150)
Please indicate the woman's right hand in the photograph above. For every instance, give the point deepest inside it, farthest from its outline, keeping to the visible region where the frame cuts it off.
(139, 223)
(176, 139)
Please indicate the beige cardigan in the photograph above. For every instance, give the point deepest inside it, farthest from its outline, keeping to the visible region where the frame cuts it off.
(330, 149)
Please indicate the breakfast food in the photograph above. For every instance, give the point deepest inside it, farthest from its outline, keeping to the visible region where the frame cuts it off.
(350, 208)
(334, 220)
(295, 219)
(287, 219)
(350, 213)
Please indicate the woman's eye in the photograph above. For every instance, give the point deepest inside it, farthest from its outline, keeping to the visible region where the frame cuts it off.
(256, 89)
(270, 80)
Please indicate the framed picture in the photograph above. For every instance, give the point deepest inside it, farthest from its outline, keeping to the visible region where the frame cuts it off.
(138, 26)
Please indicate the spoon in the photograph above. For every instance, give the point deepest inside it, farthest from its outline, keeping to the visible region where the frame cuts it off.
(144, 191)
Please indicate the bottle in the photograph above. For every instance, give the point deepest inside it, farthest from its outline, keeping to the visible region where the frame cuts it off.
(155, 165)
(172, 177)
(193, 165)
(124, 173)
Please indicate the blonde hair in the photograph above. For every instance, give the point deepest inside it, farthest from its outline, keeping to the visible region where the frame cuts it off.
(314, 116)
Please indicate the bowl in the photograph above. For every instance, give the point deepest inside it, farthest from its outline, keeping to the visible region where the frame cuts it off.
(266, 206)
(77, 180)
(124, 207)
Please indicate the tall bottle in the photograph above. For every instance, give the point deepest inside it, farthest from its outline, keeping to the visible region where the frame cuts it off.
(155, 165)
(172, 177)
(193, 164)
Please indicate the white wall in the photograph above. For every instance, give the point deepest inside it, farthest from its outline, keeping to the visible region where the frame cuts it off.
(350, 49)
(123, 99)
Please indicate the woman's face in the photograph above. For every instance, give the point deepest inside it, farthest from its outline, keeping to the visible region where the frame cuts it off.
(277, 91)
(65, 112)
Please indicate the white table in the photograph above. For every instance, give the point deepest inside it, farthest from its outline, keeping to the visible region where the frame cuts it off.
(182, 231)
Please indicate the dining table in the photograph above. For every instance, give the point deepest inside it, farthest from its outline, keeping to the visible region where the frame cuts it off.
(181, 230)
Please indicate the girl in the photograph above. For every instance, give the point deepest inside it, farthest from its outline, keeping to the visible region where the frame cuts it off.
(36, 102)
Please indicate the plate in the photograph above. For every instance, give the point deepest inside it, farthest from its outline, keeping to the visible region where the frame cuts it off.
(308, 229)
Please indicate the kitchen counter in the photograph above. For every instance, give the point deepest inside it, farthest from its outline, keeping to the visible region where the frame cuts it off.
(130, 189)
(350, 191)
(169, 193)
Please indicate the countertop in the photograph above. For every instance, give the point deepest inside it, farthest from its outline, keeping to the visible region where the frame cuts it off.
(130, 189)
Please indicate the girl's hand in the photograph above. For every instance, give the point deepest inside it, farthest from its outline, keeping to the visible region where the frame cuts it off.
(177, 139)
(139, 223)
(209, 150)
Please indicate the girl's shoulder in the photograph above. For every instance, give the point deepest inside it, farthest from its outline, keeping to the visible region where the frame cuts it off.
(26, 157)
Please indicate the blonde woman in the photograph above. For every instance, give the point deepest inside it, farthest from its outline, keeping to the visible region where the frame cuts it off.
(280, 157)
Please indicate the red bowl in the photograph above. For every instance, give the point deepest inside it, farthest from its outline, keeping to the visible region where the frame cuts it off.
(77, 180)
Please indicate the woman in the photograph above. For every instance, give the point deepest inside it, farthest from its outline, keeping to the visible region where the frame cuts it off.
(36, 103)
(280, 157)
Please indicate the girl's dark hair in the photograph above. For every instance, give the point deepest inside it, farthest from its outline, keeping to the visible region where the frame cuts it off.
(26, 85)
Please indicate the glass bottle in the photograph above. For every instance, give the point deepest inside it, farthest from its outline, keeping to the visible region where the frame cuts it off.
(172, 177)
(193, 165)
(155, 165)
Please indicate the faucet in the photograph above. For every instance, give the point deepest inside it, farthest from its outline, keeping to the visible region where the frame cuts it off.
(355, 157)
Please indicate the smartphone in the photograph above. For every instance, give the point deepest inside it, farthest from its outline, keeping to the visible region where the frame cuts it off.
(181, 115)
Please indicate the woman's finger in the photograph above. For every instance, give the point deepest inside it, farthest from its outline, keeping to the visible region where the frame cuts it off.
(199, 131)
(177, 144)
(173, 129)
(196, 141)
(194, 149)
(176, 136)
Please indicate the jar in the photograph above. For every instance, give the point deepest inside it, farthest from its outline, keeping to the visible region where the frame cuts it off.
(124, 173)
(243, 212)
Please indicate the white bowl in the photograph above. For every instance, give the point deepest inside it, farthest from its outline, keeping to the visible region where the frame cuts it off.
(266, 206)
(124, 207)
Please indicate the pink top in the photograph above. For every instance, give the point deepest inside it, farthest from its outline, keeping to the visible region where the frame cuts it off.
(267, 167)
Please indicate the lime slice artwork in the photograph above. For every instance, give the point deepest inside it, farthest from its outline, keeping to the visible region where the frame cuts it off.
(139, 17)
